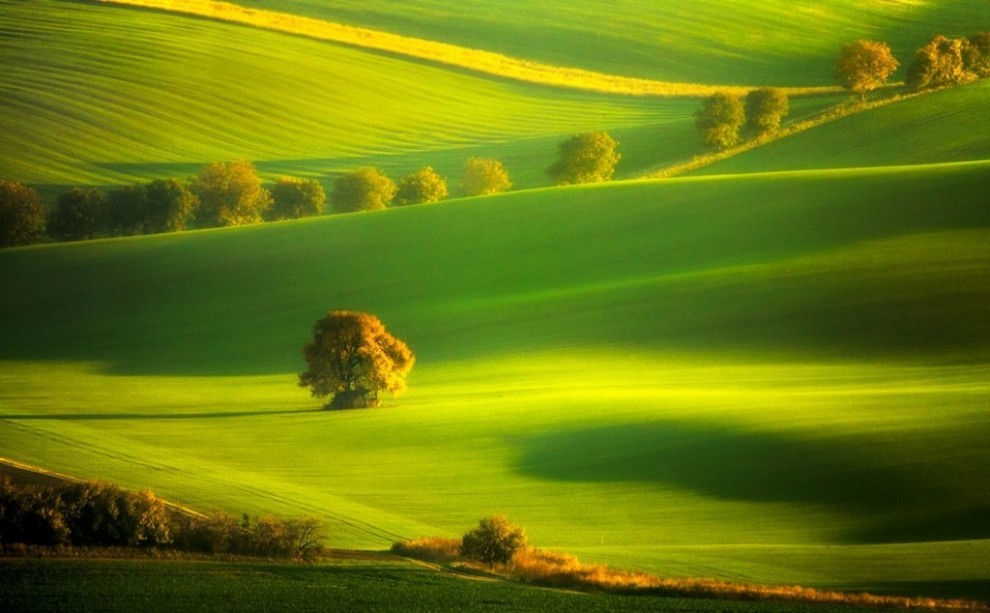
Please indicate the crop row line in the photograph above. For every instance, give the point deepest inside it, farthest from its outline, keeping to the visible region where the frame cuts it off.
(475, 60)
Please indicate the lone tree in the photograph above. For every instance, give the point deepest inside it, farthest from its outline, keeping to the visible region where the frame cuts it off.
(295, 198)
(483, 177)
(22, 215)
(720, 120)
(366, 189)
(585, 158)
(864, 66)
(230, 194)
(421, 187)
(765, 109)
(494, 540)
(351, 358)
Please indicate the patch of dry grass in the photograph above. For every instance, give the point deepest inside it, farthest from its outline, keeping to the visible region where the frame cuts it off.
(429, 549)
(476, 60)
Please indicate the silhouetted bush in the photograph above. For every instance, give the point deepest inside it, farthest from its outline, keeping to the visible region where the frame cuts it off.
(23, 217)
(103, 515)
(80, 214)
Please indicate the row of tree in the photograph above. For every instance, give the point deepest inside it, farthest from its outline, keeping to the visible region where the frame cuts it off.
(862, 67)
(104, 515)
(232, 194)
(865, 65)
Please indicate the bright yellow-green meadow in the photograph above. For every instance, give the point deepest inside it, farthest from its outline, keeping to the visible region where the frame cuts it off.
(777, 373)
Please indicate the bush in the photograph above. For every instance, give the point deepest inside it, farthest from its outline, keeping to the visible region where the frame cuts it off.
(421, 187)
(720, 120)
(22, 215)
(484, 177)
(169, 206)
(230, 194)
(585, 158)
(80, 214)
(494, 540)
(977, 55)
(765, 109)
(939, 63)
(366, 189)
(296, 198)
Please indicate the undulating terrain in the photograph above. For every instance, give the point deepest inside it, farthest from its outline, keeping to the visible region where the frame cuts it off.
(775, 369)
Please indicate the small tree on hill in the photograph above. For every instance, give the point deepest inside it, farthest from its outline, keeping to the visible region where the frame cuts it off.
(494, 540)
(366, 189)
(421, 187)
(352, 357)
(80, 214)
(864, 66)
(22, 215)
(295, 198)
(483, 177)
(765, 109)
(230, 194)
(585, 158)
(720, 120)
(939, 63)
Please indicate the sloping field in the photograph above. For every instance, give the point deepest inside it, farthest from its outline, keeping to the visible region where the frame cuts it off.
(94, 94)
(945, 126)
(738, 42)
(778, 377)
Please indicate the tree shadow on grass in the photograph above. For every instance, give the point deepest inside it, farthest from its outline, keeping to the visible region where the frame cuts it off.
(855, 476)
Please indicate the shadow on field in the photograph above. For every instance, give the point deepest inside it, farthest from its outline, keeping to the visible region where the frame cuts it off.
(891, 499)
(162, 416)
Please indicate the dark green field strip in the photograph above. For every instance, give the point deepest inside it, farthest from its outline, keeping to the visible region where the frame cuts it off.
(128, 585)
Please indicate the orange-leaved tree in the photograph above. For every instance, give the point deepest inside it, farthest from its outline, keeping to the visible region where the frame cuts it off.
(352, 357)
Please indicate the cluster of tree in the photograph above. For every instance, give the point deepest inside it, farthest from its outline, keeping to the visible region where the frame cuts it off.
(723, 116)
(865, 65)
(946, 61)
(232, 194)
(103, 515)
(222, 194)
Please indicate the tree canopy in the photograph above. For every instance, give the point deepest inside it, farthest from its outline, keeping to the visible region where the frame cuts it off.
(585, 158)
(80, 214)
(22, 215)
(230, 194)
(365, 189)
(864, 66)
(352, 357)
(720, 120)
(421, 187)
(169, 206)
(941, 61)
(294, 198)
(765, 109)
(483, 177)
(494, 540)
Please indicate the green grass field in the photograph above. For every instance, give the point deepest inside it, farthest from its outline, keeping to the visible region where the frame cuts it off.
(777, 376)
(735, 42)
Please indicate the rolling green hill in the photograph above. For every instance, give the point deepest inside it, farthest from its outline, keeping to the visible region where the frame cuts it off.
(778, 377)
(945, 126)
(735, 42)
(94, 94)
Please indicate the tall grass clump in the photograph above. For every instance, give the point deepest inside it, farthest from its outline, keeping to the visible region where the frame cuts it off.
(429, 549)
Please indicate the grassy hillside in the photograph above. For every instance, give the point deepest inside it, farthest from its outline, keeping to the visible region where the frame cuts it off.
(777, 378)
(736, 42)
(946, 126)
(94, 94)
